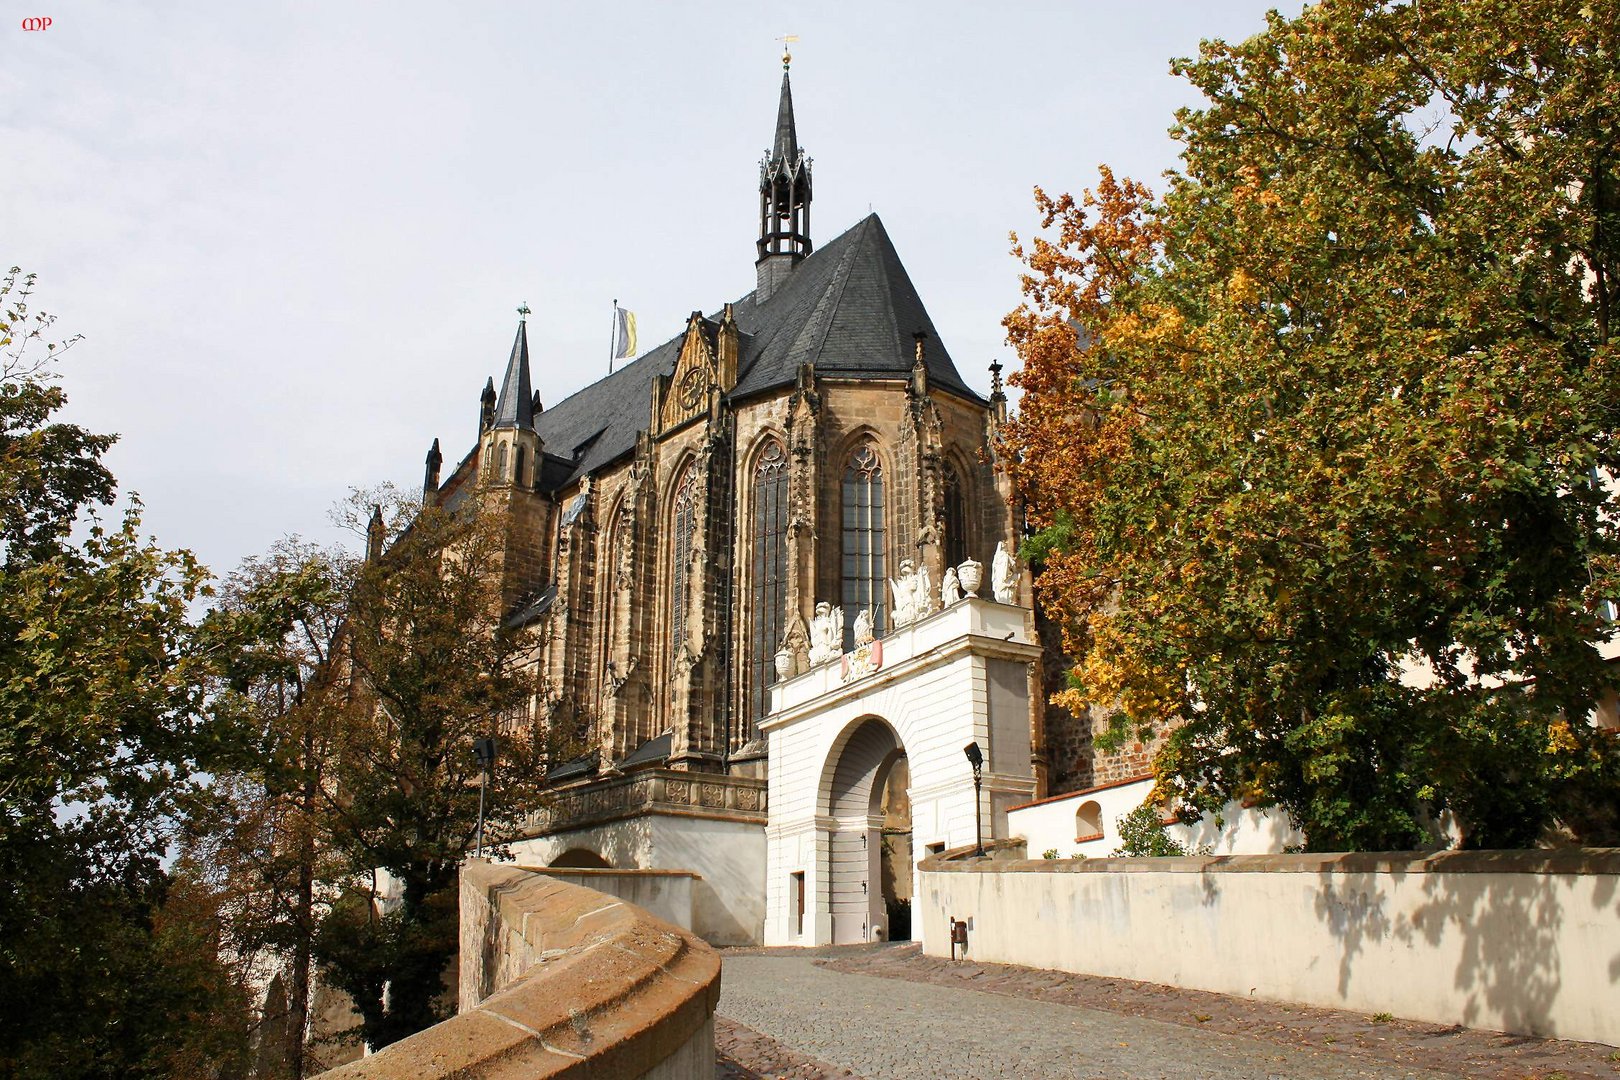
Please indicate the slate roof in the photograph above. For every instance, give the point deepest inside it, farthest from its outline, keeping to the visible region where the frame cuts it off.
(786, 145)
(849, 308)
(516, 405)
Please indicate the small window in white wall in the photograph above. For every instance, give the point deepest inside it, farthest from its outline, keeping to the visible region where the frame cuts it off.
(1088, 822)
(798, 903)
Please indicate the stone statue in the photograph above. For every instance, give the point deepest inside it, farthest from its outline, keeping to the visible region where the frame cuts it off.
(922, 591)
(863, 628)
(950, 590)
(905, 597)
(1004, 575)
(826, 633)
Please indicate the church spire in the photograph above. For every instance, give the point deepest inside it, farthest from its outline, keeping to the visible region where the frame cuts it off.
(786, 146)
(784, 198)
(515, 408)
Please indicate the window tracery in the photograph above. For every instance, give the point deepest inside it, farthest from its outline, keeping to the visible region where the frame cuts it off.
(769, 607)
(685, 525)
(864, 542)
(956, 519)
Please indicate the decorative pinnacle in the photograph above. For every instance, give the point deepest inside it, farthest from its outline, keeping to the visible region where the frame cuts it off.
(995, 378)
(787, 57)
(919, 337)
(523, 311)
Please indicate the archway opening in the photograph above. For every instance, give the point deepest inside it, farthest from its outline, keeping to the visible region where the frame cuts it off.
(895, 858)
(869, 870)
(580, 859)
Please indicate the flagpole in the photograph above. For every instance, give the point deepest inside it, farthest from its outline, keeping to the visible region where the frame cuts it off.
(613, 334)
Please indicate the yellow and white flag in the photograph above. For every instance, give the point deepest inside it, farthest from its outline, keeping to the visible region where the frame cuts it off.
(624, 332)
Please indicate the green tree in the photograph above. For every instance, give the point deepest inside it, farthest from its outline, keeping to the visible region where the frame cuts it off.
(261, 846)
(340, 833)
(1142, 833)
(101, 747)
(1329, 504)
(432, 668)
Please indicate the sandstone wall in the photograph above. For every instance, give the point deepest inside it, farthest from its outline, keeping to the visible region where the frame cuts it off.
(562, 981)
(1519, 941)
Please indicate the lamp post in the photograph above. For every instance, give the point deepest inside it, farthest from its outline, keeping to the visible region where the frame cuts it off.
(484, 750)
(976, 759)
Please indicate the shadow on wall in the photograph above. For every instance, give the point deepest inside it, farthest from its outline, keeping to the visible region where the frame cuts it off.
(619, 846)
(1506, 927)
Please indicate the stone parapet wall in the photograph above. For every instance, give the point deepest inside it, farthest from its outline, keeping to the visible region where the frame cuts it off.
(558, 980)
(664, 894)
(1519, 941)
(664, 791)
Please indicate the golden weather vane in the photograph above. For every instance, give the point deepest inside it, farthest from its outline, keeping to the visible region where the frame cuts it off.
(786, 40)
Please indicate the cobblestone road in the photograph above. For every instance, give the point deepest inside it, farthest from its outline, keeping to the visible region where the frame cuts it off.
(886, 1029)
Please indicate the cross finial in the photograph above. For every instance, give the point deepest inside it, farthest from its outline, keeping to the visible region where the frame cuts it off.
(787, 57)
(523, 311)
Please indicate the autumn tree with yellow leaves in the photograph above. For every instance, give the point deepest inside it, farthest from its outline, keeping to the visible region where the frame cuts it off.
(1316, 443)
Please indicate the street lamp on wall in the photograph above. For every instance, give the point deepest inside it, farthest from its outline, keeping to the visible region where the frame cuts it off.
(976, 759)
(484, 750)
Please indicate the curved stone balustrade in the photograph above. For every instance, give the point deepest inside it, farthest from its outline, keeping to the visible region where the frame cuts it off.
(558, 980)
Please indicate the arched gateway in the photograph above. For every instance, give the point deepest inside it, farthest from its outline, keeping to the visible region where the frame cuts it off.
(863, 893)
(867, 769)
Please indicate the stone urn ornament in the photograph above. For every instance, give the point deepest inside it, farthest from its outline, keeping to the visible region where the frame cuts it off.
(971, 575)
(784, 665)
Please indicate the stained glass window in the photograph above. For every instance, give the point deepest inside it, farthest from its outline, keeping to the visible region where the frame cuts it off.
(864, 570)
(769, 573)
(685, 523)
(956, 520)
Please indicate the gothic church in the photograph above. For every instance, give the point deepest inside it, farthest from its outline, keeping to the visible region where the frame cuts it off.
(671, 531)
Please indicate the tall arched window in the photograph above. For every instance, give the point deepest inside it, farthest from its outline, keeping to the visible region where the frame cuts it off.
(956, 519)
(685, 524)
(500, 461)
(864, 542)
(517, 473)
(608, 560)
(770, 573)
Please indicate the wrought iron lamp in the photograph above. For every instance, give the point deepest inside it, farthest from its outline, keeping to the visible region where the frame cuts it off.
(484, 750)
(976, 759)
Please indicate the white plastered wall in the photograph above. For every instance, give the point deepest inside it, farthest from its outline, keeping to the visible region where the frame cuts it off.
(934, 691)
(728, 858)
(1053, 825)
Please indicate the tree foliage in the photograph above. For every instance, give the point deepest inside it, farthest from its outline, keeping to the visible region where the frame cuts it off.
(345, 824)
(101, 746)
(434, 669)
(1320, 472)
(261, 844)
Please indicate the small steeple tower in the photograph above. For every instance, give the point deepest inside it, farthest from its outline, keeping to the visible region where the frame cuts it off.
(486, 406)
(784, 198)
(430, 475)
(510, 445)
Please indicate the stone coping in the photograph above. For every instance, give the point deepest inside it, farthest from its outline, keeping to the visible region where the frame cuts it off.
(609, 990)
(1110, 786)
(1549, 861)
(671, 792)
(610, 871)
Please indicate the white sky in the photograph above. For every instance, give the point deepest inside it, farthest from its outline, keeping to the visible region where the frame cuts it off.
(294, 235)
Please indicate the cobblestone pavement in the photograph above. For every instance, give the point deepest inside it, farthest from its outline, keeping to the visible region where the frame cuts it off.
(888, 1012)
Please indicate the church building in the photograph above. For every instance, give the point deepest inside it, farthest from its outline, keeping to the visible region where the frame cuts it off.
(766, 568)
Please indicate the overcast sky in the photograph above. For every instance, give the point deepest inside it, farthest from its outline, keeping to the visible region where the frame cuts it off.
(294, 236)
